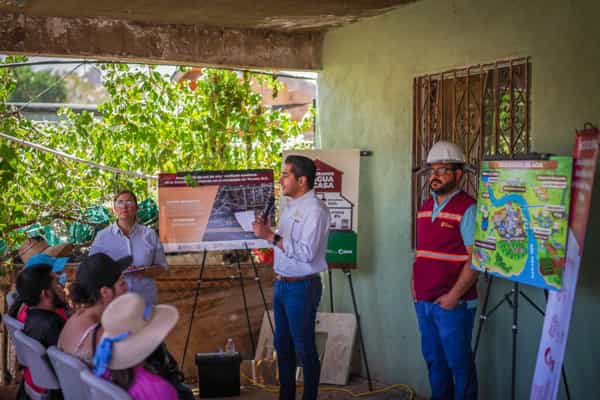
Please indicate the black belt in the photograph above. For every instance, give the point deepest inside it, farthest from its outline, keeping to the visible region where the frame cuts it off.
(295, 278)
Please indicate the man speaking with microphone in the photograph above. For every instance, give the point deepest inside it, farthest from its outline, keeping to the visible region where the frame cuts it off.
(300, 244)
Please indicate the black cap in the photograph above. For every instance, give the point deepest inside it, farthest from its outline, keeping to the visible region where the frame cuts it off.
(97, 271)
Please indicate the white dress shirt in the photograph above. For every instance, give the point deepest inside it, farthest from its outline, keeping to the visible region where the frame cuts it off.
(304, 226)
(142, 245)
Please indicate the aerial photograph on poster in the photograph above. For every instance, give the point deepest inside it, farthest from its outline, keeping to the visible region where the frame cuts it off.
(212, 210)
(522, 220)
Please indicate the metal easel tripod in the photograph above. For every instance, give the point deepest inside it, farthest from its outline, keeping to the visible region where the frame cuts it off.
(238, 277)
(512, 299)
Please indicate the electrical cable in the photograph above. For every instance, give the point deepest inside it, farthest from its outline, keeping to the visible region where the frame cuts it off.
(58, 153)
(62, 79)
(275, 389)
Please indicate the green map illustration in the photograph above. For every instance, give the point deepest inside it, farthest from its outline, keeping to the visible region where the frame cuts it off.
(522, 220)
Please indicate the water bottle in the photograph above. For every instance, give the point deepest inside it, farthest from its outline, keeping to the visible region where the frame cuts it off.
(229, 346)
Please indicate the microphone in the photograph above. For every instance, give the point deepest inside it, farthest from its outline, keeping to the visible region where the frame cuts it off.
(268, 208)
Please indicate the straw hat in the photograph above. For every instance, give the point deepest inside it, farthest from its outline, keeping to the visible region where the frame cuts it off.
(125, 314)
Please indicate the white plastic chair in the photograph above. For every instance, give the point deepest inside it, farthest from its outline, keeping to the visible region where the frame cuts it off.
(33, 356)
(12, 325)
(68, 369)
(10, 298)
(101, 389)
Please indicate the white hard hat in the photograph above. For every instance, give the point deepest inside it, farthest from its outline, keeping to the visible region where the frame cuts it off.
(445, 152)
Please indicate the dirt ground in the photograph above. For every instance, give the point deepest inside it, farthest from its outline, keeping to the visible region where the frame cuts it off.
(8, 392)
(357, 385)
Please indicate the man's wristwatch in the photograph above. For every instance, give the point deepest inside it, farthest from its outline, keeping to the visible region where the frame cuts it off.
(276, 239)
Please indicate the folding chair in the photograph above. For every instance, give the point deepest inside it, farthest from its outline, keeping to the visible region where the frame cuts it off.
(101, 389)
(12, 325)
(10, 298)
(33, 356)
(68, 369)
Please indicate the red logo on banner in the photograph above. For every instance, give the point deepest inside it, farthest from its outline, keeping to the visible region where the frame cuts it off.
(548, 358)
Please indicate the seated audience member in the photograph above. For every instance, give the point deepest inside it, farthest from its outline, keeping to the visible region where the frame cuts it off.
(19, 309)
(42, 293)
(99, 281)
(133, 331)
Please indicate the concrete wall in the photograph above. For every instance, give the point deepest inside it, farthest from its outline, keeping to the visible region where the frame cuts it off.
(365, 101)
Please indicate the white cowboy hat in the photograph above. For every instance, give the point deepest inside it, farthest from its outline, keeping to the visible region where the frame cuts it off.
(141, 329)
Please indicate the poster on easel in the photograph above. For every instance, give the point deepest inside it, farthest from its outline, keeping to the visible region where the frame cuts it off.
(212, 210)
(336, 184)
(522, 217)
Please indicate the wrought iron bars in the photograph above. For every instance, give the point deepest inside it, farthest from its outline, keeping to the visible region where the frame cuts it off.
(483, 108)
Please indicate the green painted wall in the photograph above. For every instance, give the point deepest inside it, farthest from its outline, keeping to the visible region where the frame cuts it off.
(365, 101)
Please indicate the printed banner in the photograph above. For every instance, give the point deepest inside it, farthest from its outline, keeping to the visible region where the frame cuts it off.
(521, 223)
(212, 210)
(546, 379)
(337, 185)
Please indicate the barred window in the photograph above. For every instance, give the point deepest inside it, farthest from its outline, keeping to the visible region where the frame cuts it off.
(482, 108)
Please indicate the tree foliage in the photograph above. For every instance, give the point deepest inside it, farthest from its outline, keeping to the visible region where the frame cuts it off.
(39, 86)
(150, 124)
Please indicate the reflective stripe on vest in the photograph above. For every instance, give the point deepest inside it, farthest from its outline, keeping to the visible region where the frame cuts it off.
(451, 216)
(442, 215)
(435, 255)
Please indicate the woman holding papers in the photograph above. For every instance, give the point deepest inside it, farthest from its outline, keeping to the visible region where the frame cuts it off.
(132, 244)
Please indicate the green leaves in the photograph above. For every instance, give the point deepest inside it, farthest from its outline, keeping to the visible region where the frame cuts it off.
(39, 86)
(149, 125)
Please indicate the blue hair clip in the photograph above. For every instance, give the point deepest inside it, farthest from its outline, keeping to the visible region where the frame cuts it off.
(104, 352)
(147, 312)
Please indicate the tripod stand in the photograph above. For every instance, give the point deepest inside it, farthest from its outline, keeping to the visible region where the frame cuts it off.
(512, 299)
(241, 279)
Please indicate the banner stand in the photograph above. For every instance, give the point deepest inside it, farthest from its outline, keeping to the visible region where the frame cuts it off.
(238, 277)
(348, 273)
(512, 299)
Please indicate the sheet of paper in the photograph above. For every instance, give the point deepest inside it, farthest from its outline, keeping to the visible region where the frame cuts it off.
(245, 219)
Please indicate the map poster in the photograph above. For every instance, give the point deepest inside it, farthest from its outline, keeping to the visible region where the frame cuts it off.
(522, 217)
(336, 184)
(211, 210)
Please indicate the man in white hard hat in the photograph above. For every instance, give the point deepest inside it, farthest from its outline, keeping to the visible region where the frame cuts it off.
(443, 283)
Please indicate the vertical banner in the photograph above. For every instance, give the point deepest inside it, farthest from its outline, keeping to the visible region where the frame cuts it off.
(337, 185)
(546, 379)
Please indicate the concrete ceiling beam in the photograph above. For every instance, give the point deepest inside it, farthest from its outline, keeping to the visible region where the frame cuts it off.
(113, 39)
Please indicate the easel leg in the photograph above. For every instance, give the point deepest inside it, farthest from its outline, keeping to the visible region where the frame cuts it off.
(330, 282)
(564, 376)
(360, 336)
(241, 278)
(187, 338)
(262, 293)
(483, 316)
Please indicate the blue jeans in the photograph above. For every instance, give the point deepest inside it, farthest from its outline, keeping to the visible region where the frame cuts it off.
(446, 346)
(295, 306)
